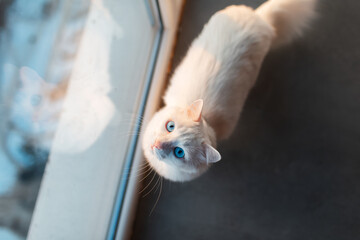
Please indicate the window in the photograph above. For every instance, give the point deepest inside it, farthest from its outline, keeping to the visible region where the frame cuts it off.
(101, 62)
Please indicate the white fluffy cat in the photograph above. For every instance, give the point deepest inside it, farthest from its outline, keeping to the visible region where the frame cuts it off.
(209, 87)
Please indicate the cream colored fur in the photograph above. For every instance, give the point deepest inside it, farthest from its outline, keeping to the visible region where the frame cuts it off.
(220, 68)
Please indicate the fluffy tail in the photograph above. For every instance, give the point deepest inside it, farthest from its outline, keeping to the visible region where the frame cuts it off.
(288, 17)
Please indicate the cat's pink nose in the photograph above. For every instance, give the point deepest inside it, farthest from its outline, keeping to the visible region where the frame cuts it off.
(157, 144)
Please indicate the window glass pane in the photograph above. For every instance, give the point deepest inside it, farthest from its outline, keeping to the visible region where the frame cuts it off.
(38, 43)
(59, 60)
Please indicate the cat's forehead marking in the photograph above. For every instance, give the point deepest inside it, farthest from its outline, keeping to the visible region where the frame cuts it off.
(188, 136)
(178, 116)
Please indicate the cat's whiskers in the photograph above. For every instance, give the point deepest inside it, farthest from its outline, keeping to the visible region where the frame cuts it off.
(144, 171)
(125, 177)
(130, 125)
(134, 124)
(148, 183)
(157, 200)
(134, 115)
(156, 183)
(133, 119)
(138, 172)
(135, 128)
(147, 174)
(141, 166)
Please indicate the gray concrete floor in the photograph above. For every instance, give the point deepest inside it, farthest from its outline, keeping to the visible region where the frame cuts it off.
(291, 169)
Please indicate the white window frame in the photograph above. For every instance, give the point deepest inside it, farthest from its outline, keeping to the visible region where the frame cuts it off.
(61, 212)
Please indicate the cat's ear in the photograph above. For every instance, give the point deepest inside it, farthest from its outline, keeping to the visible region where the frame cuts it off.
(212, 155)
(194, 110)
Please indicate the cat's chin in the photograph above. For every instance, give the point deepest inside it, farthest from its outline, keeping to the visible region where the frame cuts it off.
(174, 173)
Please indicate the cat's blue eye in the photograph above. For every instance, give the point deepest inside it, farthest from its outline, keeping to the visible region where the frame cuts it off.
(179, 152)
(170, 126)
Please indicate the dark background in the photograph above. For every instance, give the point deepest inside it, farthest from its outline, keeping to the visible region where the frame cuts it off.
(291, 169)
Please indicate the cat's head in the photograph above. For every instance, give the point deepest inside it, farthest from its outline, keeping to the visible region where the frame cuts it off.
(177, 143)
